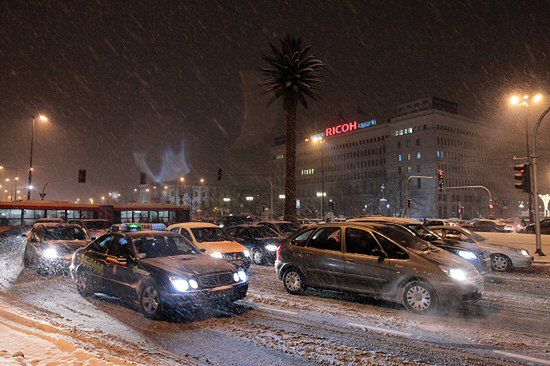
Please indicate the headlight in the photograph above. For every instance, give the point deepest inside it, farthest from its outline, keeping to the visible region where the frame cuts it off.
(194, 284)
(180, 284)
(246, 253)
(217, 255)
(49, 253)
(466, 254)
(242, 275)
(523, 252)
(236, 277)
(454, 273)
(271, 247)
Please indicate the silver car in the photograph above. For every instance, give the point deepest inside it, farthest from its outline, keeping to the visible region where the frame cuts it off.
(503, 258)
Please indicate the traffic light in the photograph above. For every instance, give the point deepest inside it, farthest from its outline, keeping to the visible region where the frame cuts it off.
(82, 176)
(409, 202)
(332, 205)
(523, 176)
(142, 178)
(220, 174)
(440, 177)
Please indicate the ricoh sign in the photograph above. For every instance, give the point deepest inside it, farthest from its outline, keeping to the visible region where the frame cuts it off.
(346, 127)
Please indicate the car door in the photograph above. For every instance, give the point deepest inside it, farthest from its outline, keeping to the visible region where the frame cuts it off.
(322, 258)
(365, 265)
(95, 259)
(120, 267)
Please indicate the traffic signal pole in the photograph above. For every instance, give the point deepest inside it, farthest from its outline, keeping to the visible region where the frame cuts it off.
(477, 187)
(535, 183)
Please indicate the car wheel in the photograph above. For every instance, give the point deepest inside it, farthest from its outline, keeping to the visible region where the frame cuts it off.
(258, 257)
(419, 297)
(84, 284)
(294, 282)
(500, 263)
(149, 301)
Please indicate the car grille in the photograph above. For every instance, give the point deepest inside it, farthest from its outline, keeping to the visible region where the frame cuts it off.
(216, 280)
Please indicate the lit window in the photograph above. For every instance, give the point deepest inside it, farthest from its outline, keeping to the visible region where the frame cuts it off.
(400, 157)
(418, 155)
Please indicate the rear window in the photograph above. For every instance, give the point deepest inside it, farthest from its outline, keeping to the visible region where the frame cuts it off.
(300, 239)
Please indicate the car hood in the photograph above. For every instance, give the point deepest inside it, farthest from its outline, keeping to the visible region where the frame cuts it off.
(496, 248)
(222, 246)
(458, 244)
(189, 265)
(67, 245)
(442, 257)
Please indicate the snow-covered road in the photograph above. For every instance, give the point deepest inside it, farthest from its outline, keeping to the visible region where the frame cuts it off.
(510, 326)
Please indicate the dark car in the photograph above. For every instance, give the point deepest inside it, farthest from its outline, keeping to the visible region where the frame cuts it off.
(233, 220)
(487, 226)
(283, 228)
(544, 227)
(468, 251)
(364, 258)
(94, 227)
(158, 270)
(50, 246)
(260, 240)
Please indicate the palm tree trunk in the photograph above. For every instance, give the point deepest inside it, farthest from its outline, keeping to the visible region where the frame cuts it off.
(290, 167)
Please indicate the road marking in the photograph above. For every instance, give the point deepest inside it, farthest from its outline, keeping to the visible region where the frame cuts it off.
(380, 330)
(523, 357)
(269, 308)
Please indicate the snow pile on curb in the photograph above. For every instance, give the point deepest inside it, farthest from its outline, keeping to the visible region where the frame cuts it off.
(25, 341)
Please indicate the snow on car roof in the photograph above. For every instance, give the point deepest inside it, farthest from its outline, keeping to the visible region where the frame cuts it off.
(393, 220)
(194, 224)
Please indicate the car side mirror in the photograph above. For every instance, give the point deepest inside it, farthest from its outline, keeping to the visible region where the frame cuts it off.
(203, 250)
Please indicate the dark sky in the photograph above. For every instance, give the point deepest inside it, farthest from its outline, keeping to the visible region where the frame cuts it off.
(124, 77)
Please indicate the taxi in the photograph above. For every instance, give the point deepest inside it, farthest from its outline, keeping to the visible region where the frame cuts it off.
(214, 240)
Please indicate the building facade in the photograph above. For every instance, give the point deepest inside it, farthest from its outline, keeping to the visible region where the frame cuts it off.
(367, 167)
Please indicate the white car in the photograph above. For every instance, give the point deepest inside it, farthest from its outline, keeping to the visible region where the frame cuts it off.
(503, 258)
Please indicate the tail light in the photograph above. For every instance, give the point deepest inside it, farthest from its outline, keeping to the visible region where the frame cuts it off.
(279, 252)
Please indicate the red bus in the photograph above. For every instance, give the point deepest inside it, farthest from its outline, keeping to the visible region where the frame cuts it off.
(27, 212)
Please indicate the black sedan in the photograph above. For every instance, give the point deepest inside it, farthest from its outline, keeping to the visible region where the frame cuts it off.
(260, 240)
(50, 246)
(544, 227)
(157, 270)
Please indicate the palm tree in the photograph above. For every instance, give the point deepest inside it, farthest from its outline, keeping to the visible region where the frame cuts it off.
(293, 73)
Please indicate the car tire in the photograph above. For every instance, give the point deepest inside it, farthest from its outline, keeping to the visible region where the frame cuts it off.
(258, 257)
(419, 297)
(149, 301)
(500, 263)
(294, 282)
(84, 284)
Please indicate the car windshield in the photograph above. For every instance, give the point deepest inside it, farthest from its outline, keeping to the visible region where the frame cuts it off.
(473, 235)
(209, 234)
(97, 224)
(160, 245)
(423, 232)
(262, 232)
(287, 227)
(63, 233)
(403, 236)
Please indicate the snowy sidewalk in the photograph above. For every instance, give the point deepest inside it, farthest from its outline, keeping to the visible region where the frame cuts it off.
(28, 341)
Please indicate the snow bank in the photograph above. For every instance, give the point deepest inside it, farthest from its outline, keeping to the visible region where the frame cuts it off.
(27, 341)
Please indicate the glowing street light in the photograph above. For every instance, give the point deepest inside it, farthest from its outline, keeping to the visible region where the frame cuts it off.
(202, 180)
(321, 141)
(41, 118)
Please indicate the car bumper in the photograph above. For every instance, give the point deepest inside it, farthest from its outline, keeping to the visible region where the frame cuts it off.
(61, 263)
(222, 293)
(454, 291)
(521, 260)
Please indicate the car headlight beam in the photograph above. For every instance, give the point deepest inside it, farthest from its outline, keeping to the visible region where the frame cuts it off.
(271, 247)
(242, 275)
(180, 284)
(466, 254)
(236, 277)
(50, 253)
(217, 255)
(455, 273)
(246, 253)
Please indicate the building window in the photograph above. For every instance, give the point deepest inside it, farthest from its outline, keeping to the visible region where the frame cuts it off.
(418, 183)
(399, 169)
(417, 142)
(409, 169)
(400, 157)
(409, 156)
(418, 155)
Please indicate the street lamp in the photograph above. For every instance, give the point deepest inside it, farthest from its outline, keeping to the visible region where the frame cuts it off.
(41, 118)
(321, 141)
(526, 101)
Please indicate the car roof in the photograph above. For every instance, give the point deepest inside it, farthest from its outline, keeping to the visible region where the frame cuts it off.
(194, 224)
(275, 222)
(149, 232)
(387, 219)
(56, 224)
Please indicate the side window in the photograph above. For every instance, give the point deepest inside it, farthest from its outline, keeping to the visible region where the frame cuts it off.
(361, 242)
(326, 238)
(186, 235)
(119, 248)
(301, 239)
(175, 230)
(102, 244)
(391, 249)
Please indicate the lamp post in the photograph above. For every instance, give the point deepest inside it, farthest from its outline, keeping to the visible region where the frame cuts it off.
(40, 118)
(321, 141)
(526, 102)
